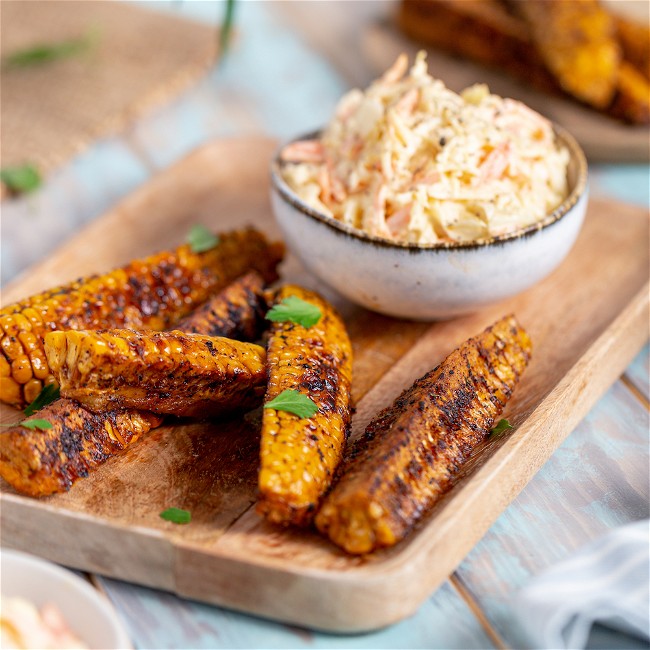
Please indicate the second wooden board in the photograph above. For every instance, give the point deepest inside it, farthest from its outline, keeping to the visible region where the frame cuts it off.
(587, 320)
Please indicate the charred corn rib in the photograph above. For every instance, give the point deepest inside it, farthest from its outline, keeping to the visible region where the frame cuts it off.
(411, 452)
(299, 456)
(236, 313)
(632, 101)
(577, 41)
(162, 372)
(486, 32)
(38, 463)
(634, 38)
(152, 293)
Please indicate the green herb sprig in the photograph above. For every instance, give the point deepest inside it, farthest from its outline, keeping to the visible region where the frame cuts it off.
(41, 425)
(47, 52)
(22, 179)
(176, 515)
(500, 427)
(293, 402)
(201, 239)
(296, 310)
(48, 394)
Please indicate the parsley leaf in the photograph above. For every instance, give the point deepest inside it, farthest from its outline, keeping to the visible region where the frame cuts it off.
(500, 427)
(21, 180)
(46, 52)
(201, 239)
(41, 425)
(293, 402)
(47, 395)
(296, 310)
(176, 516)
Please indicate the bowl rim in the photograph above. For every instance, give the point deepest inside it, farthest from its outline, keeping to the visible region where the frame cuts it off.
(577, 192)
(77, 590)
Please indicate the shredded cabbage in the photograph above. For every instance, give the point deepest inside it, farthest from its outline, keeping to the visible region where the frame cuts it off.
(411, 160)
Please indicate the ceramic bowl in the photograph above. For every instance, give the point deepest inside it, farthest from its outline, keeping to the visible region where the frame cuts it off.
(430, 281)
(87, 613)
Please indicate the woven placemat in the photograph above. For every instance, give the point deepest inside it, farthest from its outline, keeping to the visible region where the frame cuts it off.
(137, 59)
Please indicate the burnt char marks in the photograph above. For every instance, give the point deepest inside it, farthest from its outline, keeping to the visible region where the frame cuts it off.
(39, 463)
(413, 451)
(236, 313)
(321, 380)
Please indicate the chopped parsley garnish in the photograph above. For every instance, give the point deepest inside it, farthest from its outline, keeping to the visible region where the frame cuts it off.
(296, 310)
(500, 427)
(22, 179)
(201, 239)
(176, 515)
(293, 402)
(41, 425)
(47, 52)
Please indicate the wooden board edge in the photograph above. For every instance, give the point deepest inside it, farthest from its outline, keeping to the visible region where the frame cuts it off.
(379, 594)
(83, 542)
(125, 209)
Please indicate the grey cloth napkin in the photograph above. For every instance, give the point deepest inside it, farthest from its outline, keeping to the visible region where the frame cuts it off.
(605, 582)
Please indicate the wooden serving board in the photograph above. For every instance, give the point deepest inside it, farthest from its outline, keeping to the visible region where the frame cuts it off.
(586, 321)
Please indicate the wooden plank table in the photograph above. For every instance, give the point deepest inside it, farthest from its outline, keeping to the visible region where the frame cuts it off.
(283, 78)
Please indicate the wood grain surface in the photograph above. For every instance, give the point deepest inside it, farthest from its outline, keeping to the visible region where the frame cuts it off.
(584, 332)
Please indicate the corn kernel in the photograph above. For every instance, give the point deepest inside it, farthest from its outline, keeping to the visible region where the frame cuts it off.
(21, 369)
(32, 389)
(33, 316)
(11, 347)
(10, 391)
(39, 364)
(29, 341)
(5, 368)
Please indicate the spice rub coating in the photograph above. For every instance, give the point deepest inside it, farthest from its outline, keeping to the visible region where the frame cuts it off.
(162, 372)
(151, 293)
(39, 463)
(299, 456)
(237, 312)
(411, 452)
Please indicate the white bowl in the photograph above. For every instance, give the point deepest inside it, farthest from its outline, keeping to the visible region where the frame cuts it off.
(86, 612)
(430, 281)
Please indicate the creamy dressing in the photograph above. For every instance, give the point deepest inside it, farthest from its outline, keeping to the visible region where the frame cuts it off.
(410, 160)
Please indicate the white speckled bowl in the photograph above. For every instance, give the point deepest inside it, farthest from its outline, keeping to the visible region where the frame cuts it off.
(87, 613)
(431, 281)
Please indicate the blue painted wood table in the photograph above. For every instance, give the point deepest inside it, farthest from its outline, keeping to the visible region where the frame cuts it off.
(284, 77)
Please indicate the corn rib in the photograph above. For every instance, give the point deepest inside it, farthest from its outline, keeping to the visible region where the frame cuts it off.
(168, 373)
(236, 313)
(38, 463)
(412, 451)
(146, 294)
(299, 456)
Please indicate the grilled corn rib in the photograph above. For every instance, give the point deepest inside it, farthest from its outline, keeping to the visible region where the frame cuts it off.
(38, 463)
(236, 313)
(152, 293)
(577, 41)
(162, 372)
(299, 456)
(411, 452)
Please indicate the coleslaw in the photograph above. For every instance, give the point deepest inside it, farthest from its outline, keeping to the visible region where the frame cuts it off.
(410, 160)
